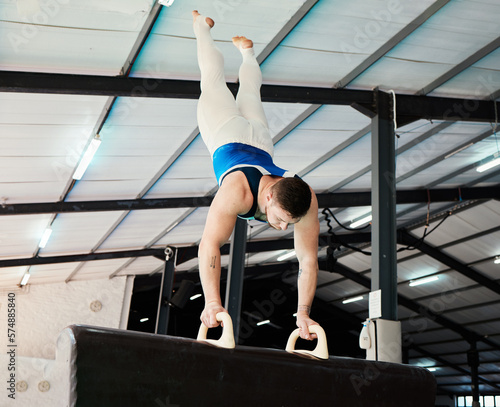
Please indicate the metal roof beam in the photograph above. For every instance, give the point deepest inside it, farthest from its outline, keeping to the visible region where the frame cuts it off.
(326, 200)
(406, 238)
(409, 107)
(414, 306)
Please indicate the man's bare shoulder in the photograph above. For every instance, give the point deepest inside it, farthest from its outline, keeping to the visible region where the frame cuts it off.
(235, 189)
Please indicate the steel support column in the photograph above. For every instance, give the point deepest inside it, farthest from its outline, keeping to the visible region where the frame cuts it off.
(167, 283)
(236, 274)
(473, 362)
(384, 267)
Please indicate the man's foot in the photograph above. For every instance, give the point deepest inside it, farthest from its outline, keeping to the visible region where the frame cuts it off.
(242, 42)
(209, 21)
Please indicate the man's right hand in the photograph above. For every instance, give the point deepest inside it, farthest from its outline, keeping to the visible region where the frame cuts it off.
(208, 316)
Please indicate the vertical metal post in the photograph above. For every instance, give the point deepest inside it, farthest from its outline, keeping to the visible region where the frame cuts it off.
(167, 283)
(473, 362)
(384, 264)
(235, 275)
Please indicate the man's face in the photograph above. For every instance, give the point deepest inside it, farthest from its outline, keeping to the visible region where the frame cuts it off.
(277, 217)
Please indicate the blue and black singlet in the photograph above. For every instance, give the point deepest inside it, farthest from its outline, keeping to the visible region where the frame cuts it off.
(252, 161)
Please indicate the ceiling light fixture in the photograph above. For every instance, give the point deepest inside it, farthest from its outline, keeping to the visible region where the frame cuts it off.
(424, 280)
(26, 278)
(45, 238)
(194, 297)
(87, 157)
(287, 256)
(491, 164)
(361, 222)
(267, 321)
(458, 151)
(353, 299)
(144, 319)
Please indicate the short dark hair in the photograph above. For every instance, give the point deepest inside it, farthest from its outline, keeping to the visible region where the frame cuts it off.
(293, 195)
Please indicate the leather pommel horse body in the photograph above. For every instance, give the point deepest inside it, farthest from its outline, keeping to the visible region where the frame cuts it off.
(119, 368)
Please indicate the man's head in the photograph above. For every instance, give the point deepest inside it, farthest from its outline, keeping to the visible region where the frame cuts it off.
(293, 196)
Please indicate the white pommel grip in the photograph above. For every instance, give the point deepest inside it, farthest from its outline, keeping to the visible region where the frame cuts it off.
(321, 349)
(227, 338)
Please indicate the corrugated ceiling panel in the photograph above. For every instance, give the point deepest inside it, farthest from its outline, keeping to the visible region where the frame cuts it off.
(20, 235)
(12, 276)
(356, 261)
(476, 315)
(173, 34)
(489, 269)
(434, 48)
(139, 137)
(188, 231)
(458, 298)
(447, 281)
(416, 325)
(143, 265)
(91, 37)
(463, 224)
(479, 81)
(474, 154)
(328, 127)
(334, 38)
(280, 115)
(342, 290)
(42, 138)
(51, 273)
(422, 337)
(92, 270)
(477, 249)
(418, 267)
(349, 161)
(74, 233)
(141, 228)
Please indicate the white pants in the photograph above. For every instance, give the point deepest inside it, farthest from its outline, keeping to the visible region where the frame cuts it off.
(221, 118)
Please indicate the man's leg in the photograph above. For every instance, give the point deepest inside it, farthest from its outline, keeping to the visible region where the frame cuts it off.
(248, 97)
(250, 77)
(216, 105)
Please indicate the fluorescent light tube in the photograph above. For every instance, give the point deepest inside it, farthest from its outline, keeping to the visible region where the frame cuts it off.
(491, 164)
(457, 151)
(25, 279)
(287, 256)
(144, 319)
(361, 221)
(45, 238)
(267, 321)
(194, 297)
(424, 280)
(353, 299)
(87, 157)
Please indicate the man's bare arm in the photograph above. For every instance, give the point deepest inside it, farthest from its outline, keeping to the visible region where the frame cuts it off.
(221, 218)
(306, 233)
